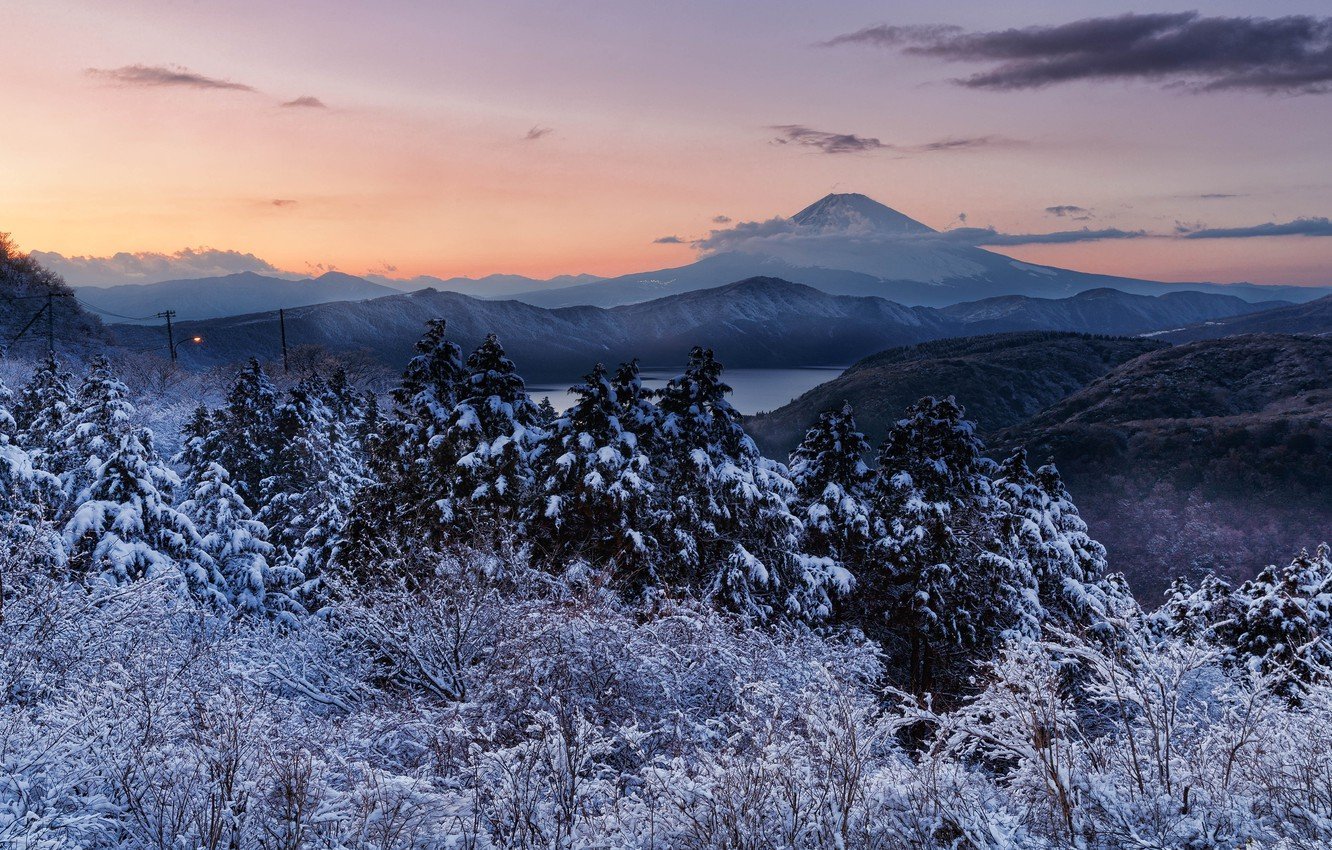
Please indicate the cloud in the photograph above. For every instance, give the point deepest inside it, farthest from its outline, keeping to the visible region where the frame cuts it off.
(1214, 196)
(831, 143)
(151, 266)
(283, 202)
(164, 75)
(1318, 226)
(839, 143)
(306, 101)
(538, 132)
(983, 236)
(670, 240)
(1066, 210)
(1290, 55)
(721, 219)
(966, 143)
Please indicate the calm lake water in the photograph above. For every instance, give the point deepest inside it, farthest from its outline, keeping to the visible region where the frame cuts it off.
(755, 390)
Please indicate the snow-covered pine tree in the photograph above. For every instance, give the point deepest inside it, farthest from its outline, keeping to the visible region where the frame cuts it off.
(396, 512)
(314, 475)
(41, 410)
(1283, 623)
(1048, 541)
(638, 414)
(342, 398)
(27, 495)
(732, 535)
(833, 486)
(244, 440)
(238, 547)
(197, 445)
(945, 593)
(594, 501)
(92, 430)
(123, 527)
(546, 414)
(490, 443)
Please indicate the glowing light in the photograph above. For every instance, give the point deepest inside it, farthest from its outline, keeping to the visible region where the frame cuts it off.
(197, 339)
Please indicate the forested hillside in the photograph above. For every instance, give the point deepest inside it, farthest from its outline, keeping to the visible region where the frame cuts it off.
(1212, 455)
(1002, 379)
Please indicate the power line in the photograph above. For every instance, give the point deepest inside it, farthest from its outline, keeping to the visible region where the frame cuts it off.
(116, 315)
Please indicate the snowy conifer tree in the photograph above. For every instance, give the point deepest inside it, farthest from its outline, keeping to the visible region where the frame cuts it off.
(595, 496)
(28, 494)
(1283, 622)
(314, 476)
(833, 486)
(946, 590)
(244, 440)
(1046, 536)
(489, 443)
(123, 527)
(101, 416)
(407, 460)
(41, 410)
(732, 535)
(237, 545)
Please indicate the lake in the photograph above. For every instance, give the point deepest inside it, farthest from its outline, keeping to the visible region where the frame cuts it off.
(755, 390)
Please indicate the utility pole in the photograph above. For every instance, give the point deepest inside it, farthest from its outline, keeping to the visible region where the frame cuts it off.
(282, 329)
(50, 324)
(171, 338)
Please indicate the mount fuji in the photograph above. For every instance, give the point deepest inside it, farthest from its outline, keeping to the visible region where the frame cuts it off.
(850, 244)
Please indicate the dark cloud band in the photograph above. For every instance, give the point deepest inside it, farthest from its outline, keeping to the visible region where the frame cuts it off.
(1291, 54)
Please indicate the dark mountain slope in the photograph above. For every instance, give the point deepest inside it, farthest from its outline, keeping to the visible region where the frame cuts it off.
(1001, 379)
(1105, 311)
(1213, 454)
(1312, 319)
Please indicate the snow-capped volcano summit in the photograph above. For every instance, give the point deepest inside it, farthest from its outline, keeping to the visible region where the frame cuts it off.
(850, 244)
(856, 212)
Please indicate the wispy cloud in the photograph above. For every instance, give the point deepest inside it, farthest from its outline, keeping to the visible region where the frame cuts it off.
(988, 236)
(283, 202)
(306, 101)
(153, 266)
(844, 143)
(721, 219)
(1291, 54)
(670, 240)
(1318, 226)
(538, 132)
(825, 142)
(164, 75)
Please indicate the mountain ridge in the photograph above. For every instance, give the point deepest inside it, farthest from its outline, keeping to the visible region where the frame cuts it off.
(757, 322)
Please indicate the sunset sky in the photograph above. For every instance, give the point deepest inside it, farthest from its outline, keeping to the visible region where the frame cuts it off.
(542, 138)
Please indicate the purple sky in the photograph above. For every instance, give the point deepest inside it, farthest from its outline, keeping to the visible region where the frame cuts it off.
(546, 138)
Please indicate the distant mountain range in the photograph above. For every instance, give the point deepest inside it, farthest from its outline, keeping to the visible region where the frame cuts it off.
(760, 322)
(848, 244)
(229, 295)
(844, 244)
(248, 292)
(491, 286)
